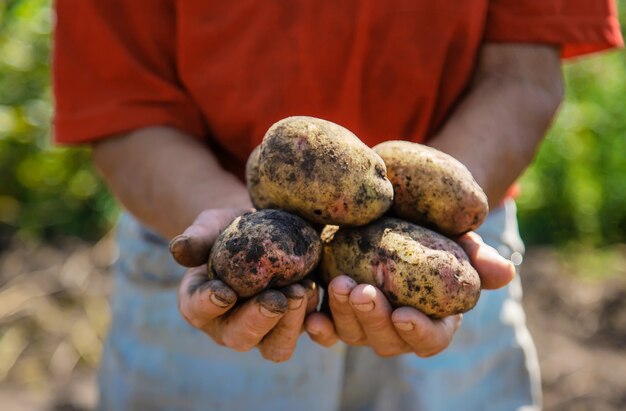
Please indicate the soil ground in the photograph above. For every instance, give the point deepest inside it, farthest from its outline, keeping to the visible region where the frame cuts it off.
(54, 314)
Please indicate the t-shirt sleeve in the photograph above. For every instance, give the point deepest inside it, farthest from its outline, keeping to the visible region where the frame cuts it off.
(577, 26)
(114, 70)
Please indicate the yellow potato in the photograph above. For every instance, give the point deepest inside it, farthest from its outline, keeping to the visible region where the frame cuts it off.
(321, 172)
(432, 188)
(256, 190)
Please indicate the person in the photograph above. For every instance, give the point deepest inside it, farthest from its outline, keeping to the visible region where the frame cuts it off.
(173, 95)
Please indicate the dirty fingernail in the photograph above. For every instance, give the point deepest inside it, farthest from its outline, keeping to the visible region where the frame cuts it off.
(177, 242)
(404, 326)
(217, 301)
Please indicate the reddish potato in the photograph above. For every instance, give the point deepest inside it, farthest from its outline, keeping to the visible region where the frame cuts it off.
(264, 249)
(413, 266)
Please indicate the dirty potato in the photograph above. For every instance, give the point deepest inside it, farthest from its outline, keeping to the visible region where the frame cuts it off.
(432, 188)
(255, 188)
(264, 249)
(321, 172)
(412, 265)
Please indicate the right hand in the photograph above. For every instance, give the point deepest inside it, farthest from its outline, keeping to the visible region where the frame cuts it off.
(360, 314)
(271, 321)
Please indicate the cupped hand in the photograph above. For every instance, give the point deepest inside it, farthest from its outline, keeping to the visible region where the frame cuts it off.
(362, 315)
(270, 321)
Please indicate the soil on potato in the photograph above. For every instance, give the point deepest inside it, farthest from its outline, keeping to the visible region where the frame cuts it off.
(54, 314)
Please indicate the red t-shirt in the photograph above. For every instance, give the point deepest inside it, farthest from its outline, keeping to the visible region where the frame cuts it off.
(226, 70)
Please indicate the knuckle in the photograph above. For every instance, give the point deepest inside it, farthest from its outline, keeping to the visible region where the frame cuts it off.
(249, 337)
(236, 344)
(218, 341)
(384, 352)
(276, 355)
(376, 324)
(419, 338)
(329, 342)
(325, 342)
(387, 351)
(194, 321)
(353, 339)
(205, 214)
(425, 354)
(256, 330)
(242, 347)
(429, 351)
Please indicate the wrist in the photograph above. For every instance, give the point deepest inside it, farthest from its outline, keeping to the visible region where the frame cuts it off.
(166, 178)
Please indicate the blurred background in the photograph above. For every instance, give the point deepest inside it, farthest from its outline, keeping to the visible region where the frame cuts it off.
(56, 248)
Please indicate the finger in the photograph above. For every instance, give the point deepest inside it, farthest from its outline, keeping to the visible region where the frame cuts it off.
(193, 246)
(347, 325)
(373, 312)
(495, 271)
(200, 300)
(245, 328)
(312, 295)
(425, 336)
(321, 329)
(279, 344)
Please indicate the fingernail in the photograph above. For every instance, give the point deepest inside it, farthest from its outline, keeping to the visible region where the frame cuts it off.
(217, 301)
(364, 307)
(405, 326)
(176, 243)
(295, 303)
(178, 239)
(313, 330)
(268, 313)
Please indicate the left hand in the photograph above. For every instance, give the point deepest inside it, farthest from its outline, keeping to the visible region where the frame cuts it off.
(361, 315)
(271, 321)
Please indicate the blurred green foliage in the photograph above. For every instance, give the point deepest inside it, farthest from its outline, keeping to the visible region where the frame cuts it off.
(44, 191)
(575, 191)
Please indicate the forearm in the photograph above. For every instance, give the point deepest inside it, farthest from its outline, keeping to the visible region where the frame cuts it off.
(166, 178)
(498, 126)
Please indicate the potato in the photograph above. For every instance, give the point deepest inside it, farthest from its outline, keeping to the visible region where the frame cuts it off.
(432, 188)
(255, 188)
(264, 249)
(412, 265)
(321, 172)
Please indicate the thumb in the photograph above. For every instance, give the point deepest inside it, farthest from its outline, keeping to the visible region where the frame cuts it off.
(495, 271)
(193, 246)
